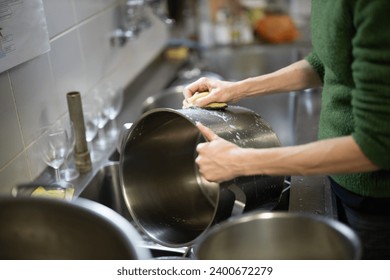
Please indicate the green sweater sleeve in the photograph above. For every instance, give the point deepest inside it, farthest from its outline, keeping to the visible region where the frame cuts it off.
(316, 63)
(371, 76)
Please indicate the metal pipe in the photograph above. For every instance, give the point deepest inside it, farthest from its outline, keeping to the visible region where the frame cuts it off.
(81, 152)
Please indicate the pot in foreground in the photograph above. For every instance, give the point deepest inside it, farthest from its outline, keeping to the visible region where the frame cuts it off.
(52, 229)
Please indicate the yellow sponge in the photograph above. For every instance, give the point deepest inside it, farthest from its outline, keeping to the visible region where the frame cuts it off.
(60, 193)
(213, 105)
(177, 53)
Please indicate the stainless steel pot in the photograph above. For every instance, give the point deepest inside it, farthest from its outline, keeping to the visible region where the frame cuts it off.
(42, 228)
(280, 236)
(164, 192)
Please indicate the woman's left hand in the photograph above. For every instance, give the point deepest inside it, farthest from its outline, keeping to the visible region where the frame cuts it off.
(218, 159)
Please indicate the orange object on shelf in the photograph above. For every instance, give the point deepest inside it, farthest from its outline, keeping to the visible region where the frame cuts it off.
(277, 28)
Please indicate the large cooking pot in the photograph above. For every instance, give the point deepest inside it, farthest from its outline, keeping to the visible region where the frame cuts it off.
(278, 236)
(42, 228)
(164, 192)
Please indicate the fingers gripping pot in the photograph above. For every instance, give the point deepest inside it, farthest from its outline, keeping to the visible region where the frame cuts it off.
(163, 189)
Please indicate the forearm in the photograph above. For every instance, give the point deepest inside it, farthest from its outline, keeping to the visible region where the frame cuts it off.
(332, 156)
(297, 76)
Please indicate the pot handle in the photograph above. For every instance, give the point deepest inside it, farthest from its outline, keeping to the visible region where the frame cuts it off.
(240, 199)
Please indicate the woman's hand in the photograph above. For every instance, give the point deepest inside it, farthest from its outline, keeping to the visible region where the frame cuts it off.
(217, 159)
(219, 91)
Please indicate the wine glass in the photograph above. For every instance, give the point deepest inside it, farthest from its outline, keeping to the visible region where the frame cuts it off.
(112, 97)
(53, 146)
(94, 108)
(68, 172)
(91, 131)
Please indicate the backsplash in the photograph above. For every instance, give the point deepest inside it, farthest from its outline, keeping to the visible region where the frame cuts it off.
(33, 94)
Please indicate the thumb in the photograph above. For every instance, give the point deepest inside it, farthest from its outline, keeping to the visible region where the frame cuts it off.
(207, 132)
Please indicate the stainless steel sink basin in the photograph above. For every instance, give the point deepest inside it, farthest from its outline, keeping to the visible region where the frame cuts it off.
(105, 188)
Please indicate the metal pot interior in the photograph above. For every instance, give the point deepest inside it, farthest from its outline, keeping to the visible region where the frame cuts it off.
(164, 192)
(279, 236)
(51, 229)
(160, 180)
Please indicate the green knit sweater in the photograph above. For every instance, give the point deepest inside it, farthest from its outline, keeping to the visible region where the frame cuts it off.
(351, 53)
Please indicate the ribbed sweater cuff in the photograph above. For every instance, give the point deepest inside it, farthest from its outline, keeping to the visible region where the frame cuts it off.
(317, 65)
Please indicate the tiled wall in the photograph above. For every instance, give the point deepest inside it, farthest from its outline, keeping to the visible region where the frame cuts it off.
(33, 94)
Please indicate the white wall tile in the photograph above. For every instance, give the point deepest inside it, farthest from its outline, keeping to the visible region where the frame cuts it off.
(35, 161)
(67, 65)
(96, 47)
(59, 16)
(81, 57)
(13, 174)
(10, 138)
(87, 8)
(35, 96)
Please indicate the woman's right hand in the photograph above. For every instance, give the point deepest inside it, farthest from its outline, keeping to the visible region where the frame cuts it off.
(219, 91)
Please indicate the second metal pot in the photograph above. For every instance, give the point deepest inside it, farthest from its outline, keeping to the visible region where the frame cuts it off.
(163, 190)
(279, 236)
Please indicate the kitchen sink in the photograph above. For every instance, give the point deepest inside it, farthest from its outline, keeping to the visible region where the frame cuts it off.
(285, 112)
(105, 188)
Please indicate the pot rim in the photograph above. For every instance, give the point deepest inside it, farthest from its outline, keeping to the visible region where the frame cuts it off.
(341, 228)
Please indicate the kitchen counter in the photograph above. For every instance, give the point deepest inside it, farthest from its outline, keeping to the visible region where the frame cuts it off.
(312, 194)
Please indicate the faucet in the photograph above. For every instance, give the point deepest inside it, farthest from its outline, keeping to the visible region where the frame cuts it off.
(134, 19)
